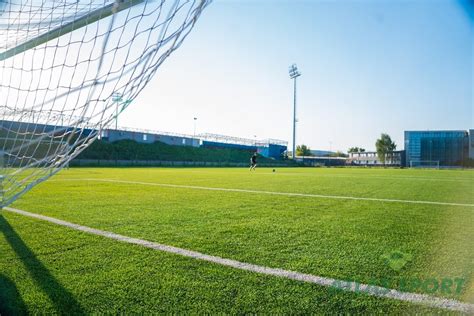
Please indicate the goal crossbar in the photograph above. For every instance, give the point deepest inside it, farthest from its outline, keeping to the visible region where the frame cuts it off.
(89, 18)
(424, 164)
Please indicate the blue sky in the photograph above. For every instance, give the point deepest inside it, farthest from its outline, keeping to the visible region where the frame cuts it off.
(367, 67)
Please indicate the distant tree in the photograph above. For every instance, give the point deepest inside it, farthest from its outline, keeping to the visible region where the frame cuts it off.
(356, 150)
(385, 146)
(303, 150)
(338, 154)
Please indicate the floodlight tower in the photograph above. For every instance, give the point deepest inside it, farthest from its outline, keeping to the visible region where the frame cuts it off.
(116, 98)
(294, 73)
(194, 134)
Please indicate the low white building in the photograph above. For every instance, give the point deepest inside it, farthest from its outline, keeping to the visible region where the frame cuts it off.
(370, 158)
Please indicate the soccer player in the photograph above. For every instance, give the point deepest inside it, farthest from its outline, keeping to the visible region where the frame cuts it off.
(253, 162)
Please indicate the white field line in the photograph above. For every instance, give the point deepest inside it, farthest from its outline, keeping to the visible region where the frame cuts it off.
(423, 299)
(353, 176)
(347, 175)
(340, 197)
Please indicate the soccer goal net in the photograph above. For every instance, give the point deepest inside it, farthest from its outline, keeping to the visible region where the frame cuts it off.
(63, 65)
(424, 164)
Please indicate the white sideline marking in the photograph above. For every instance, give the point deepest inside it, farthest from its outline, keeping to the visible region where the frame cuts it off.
(372, 290)
(351, 175)
(339, 175)
(271, 192)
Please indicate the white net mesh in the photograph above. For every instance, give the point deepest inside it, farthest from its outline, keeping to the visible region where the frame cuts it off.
(65, 67)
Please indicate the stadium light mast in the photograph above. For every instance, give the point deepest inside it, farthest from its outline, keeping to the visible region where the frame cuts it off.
(194, 133)
(116, 98)
(294, 73)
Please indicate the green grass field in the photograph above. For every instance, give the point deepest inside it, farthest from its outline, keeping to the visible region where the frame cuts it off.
(47, 268)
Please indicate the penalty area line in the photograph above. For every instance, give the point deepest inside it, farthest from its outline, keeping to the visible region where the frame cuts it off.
(321, 196)
(348, 286)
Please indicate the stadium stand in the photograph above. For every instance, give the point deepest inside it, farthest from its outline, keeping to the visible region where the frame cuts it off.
(129, 152)
(128, 144)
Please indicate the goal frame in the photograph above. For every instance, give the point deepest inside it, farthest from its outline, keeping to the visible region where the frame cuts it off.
(429, 164)
(59, 75)
(89, 18)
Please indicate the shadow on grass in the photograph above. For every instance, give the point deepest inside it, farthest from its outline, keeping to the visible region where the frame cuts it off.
(63, 300)
(11, 302)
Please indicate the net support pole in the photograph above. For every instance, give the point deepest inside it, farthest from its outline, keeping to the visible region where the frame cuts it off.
(91, 17)
(2, 177)
(294, 118)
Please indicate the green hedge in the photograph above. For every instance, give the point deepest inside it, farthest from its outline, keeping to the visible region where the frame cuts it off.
(131, 150)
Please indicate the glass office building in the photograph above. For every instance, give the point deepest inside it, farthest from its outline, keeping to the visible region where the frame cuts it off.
(448, 148)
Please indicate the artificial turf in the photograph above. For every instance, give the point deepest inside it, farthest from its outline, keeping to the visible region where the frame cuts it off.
(46, 268)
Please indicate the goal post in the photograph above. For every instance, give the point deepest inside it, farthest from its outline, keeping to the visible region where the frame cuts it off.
(62, 64)
(433, 164)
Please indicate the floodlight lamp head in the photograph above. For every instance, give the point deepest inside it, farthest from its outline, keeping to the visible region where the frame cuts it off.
(294, 71)
(116, 97)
